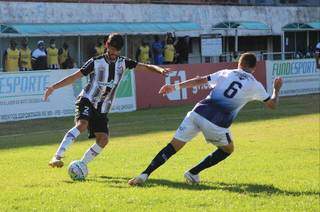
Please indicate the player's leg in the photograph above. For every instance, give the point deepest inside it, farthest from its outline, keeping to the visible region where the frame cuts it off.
(224, 151)
(217, 136)
(96, 148)
(186, 131)
(173, 147)
(98, 127)
(82, 114)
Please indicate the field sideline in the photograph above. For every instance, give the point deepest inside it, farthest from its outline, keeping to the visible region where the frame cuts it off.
(275, 166)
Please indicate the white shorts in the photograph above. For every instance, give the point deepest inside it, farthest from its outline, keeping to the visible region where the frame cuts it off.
(193, 123)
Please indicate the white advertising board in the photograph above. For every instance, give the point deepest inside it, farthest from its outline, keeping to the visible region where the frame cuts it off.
(211, 47)
(299, 76)
(21, 95)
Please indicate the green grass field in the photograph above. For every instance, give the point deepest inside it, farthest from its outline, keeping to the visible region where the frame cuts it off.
(275, 166)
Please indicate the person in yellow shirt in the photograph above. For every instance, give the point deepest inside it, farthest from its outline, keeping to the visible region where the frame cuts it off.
(143, 53)
(25, 56)
(10, 60)
(64, 56)
(52, 55)
(98, 48)
(169, 51)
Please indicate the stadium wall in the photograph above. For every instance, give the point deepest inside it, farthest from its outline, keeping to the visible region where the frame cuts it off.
(205, 15)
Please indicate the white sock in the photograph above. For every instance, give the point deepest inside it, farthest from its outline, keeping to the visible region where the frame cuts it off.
(91, 153)
(67, 140)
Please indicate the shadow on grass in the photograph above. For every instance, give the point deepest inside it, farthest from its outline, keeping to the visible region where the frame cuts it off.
(251, 189)
(260, 189)
(50, 131)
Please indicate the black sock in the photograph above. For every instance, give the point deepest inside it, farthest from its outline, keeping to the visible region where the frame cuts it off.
(160, 159)
(209, 161)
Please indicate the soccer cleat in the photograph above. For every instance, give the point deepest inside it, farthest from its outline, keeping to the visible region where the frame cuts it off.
(139, 180)
(191, 178)
(56, 161)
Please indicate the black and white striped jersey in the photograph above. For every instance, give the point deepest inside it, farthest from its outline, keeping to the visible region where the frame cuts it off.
(104, 78)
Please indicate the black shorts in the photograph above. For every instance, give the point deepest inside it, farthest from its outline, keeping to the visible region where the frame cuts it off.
(97, 122)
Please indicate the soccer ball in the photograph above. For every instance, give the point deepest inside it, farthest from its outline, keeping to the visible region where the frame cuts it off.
(78, 170)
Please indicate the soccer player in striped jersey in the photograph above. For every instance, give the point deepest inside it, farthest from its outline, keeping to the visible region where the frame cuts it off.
(94, 101)
(231, 90)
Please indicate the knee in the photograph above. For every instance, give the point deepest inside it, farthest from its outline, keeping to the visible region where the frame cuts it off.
(177, 145)
(82, 125)
(102, 140)
(228, 149)
(231, 150)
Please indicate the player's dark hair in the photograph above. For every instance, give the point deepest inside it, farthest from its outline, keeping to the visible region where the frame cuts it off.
(115, 40)
(248, 60)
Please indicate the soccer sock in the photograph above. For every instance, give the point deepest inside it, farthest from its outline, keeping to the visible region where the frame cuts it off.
(209, 161)
(91, 153)
(160, 159)
(67, 140)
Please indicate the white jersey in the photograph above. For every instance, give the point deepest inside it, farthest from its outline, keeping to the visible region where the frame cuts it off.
(231, 90)
(105, 77)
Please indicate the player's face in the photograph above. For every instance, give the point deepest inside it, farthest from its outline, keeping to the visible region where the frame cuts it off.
(113, 53)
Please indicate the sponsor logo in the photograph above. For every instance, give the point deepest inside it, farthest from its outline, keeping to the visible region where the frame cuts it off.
(288, 68)
(110, 84)
(181, 128)
(173, 78)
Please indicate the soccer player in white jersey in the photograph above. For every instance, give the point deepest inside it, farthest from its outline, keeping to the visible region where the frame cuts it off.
(94, 101)
(231, 90)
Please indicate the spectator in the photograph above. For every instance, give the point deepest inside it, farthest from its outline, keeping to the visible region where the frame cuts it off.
(143, 53)
(98, 48)
(10, 60)
(169, 51)
(39, 57)
(70, 63)
(317, 55)
(64, 57)
(182, 49)
(309, 52)
(157, 50)
(298, 54)
(52, 55)
(235, 57)
(25, 56)
(170, 35)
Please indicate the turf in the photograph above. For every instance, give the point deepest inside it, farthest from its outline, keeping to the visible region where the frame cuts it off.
(275, 166)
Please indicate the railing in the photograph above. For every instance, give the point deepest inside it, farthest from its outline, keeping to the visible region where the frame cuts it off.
(230, 57)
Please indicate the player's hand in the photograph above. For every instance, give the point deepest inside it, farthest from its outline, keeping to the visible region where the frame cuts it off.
(47, 93)
(166, 89)
(277, 84)
(163, 70)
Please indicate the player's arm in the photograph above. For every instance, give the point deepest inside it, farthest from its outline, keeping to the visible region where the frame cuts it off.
(86, 69)
(185, 84)
(273, 101)
(151, 68)
(64, 82)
